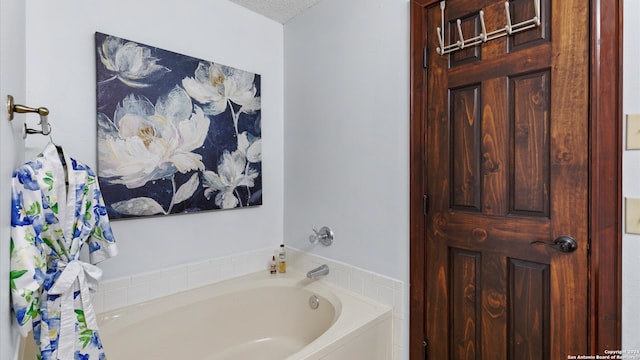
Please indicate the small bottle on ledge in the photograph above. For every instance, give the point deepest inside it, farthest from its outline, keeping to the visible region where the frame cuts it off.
(282, 260)
(272, 267)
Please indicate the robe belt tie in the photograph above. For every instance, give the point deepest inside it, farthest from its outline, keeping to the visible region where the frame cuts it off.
(76, 275)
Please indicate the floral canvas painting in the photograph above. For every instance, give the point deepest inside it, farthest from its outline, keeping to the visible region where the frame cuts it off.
(176, 134)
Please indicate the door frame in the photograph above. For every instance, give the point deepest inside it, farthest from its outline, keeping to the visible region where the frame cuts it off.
(605, 177)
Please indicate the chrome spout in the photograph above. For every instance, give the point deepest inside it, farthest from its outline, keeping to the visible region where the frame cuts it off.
(319, 271)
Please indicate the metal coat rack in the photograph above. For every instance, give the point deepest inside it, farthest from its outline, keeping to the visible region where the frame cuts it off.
(485, 36)
(45, 127)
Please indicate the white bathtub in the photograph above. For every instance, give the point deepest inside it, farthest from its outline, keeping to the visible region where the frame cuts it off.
(259, 316)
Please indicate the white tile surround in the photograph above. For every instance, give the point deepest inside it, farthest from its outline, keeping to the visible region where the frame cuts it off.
(135, 289)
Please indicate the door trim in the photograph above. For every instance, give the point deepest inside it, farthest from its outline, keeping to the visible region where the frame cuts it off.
(605, 179)
(605, 221)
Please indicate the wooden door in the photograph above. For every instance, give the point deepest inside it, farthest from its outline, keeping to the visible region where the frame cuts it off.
(506, 156)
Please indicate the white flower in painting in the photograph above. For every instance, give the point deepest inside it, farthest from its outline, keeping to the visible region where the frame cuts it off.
(131, 63)
(144, 206)
(216, 85)
(147, 142)
(252, 149)
(232, 173)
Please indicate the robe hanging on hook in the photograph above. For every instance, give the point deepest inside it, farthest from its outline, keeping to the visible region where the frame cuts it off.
(484, 36)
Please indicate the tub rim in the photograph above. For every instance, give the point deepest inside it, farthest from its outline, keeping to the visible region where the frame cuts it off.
(354, 314)
(146, 309)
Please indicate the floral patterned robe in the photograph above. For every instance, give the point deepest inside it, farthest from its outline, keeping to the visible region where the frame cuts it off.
(50, 284)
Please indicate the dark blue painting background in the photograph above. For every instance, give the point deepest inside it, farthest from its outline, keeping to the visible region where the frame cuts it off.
(220, 137)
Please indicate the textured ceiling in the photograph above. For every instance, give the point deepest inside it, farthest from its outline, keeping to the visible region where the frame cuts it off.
(278, 10)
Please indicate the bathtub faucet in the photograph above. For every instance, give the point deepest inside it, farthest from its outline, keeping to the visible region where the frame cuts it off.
(319, 271)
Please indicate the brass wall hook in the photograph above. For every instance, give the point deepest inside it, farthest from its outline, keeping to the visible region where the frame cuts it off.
(13, 108)
(22, 109)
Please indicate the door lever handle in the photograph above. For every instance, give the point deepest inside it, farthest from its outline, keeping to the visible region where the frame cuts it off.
(564, 243)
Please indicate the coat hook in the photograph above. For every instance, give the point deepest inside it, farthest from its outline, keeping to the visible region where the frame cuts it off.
(42, 111)
(461, 41)
(21, 109)
(537, 10)
(440, 29)
(508, 27)
(484, 27)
